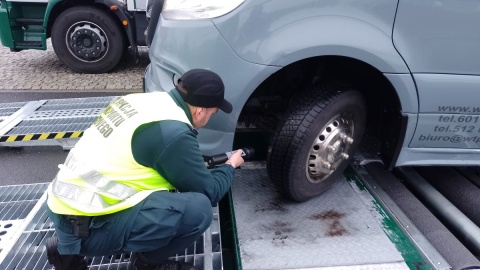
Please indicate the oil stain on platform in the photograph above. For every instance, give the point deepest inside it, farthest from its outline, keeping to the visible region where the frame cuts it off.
(333, 220)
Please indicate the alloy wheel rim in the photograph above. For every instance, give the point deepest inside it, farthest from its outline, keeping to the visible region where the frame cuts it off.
(330, 147)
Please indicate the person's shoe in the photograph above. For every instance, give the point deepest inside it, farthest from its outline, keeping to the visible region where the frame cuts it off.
(63, 262)
(141, 263)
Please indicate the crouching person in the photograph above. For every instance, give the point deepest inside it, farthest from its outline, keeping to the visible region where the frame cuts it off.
(136, 181)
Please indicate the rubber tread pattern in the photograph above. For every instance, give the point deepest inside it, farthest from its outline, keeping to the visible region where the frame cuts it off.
(291, 130)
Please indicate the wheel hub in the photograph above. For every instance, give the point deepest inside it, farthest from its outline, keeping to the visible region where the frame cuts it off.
(330, 148)
(86, 42)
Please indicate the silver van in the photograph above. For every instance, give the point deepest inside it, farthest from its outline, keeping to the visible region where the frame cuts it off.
(320, 75)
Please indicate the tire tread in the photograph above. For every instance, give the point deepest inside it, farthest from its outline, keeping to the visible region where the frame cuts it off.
(292, 128)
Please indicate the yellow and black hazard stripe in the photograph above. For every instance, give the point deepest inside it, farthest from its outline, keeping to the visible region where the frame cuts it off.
(41, 136)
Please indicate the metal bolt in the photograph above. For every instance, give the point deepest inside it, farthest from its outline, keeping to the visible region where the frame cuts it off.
(344, 137)
(327, 165)
(348, 140)
(331, 148)
(344, 155)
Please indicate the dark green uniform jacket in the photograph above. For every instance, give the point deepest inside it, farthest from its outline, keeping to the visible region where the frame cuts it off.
(171, 148)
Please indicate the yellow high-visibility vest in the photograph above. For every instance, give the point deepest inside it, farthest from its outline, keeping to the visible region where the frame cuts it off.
(100, 175)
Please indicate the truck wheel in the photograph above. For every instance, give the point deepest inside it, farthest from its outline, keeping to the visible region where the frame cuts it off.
(87, 40)
(316, 139)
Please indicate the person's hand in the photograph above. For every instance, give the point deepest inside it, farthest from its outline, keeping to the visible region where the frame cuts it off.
(236, 159)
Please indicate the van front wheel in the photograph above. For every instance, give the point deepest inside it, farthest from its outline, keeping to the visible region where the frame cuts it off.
(316, 139)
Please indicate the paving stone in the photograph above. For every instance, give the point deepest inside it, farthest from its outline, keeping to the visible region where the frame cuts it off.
(37, 69)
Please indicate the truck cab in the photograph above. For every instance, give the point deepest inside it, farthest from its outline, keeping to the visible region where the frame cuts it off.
(323, 79)
(87, 36)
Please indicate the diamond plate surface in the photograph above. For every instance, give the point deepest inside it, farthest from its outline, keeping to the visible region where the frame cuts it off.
(334, 229)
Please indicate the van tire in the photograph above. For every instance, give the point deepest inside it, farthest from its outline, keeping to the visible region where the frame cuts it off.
(309, 140)
(88, 40)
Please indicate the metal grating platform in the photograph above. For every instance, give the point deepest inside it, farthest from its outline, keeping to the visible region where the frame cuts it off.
(53, 122)
(7, 109)
(16, 202)
(23, 213)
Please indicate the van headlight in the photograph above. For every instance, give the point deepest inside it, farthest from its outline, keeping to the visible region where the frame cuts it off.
(198, 9)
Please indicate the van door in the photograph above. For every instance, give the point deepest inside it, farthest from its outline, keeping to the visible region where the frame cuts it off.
(440, 42)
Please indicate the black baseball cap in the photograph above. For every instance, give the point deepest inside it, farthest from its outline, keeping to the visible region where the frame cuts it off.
(204, 89)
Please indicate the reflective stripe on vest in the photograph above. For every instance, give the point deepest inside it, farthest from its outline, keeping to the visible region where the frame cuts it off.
(95, 179)
(78, 195)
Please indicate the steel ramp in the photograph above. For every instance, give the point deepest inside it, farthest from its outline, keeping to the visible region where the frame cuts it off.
(49, 122)
(24, 226)
(344, 228)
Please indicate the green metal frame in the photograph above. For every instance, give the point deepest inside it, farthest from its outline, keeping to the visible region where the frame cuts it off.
(230, 245)
(51, 4)
(5, 30)
(409, 252)
(13, 33)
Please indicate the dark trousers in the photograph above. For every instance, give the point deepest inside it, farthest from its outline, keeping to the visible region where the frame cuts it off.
(161, 226)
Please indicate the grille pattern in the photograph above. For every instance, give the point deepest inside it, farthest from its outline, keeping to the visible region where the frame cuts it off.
(26, 250)
(18, 200)
(52, 125)
(62, 115)
(7, 109)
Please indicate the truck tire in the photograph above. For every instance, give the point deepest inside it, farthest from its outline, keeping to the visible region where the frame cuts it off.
(317, 137)
(87, 40)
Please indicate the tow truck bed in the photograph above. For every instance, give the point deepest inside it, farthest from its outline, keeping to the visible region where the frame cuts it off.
(348, 227)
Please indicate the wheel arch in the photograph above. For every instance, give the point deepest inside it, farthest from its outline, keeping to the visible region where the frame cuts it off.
(298, 34)
(384, 115)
